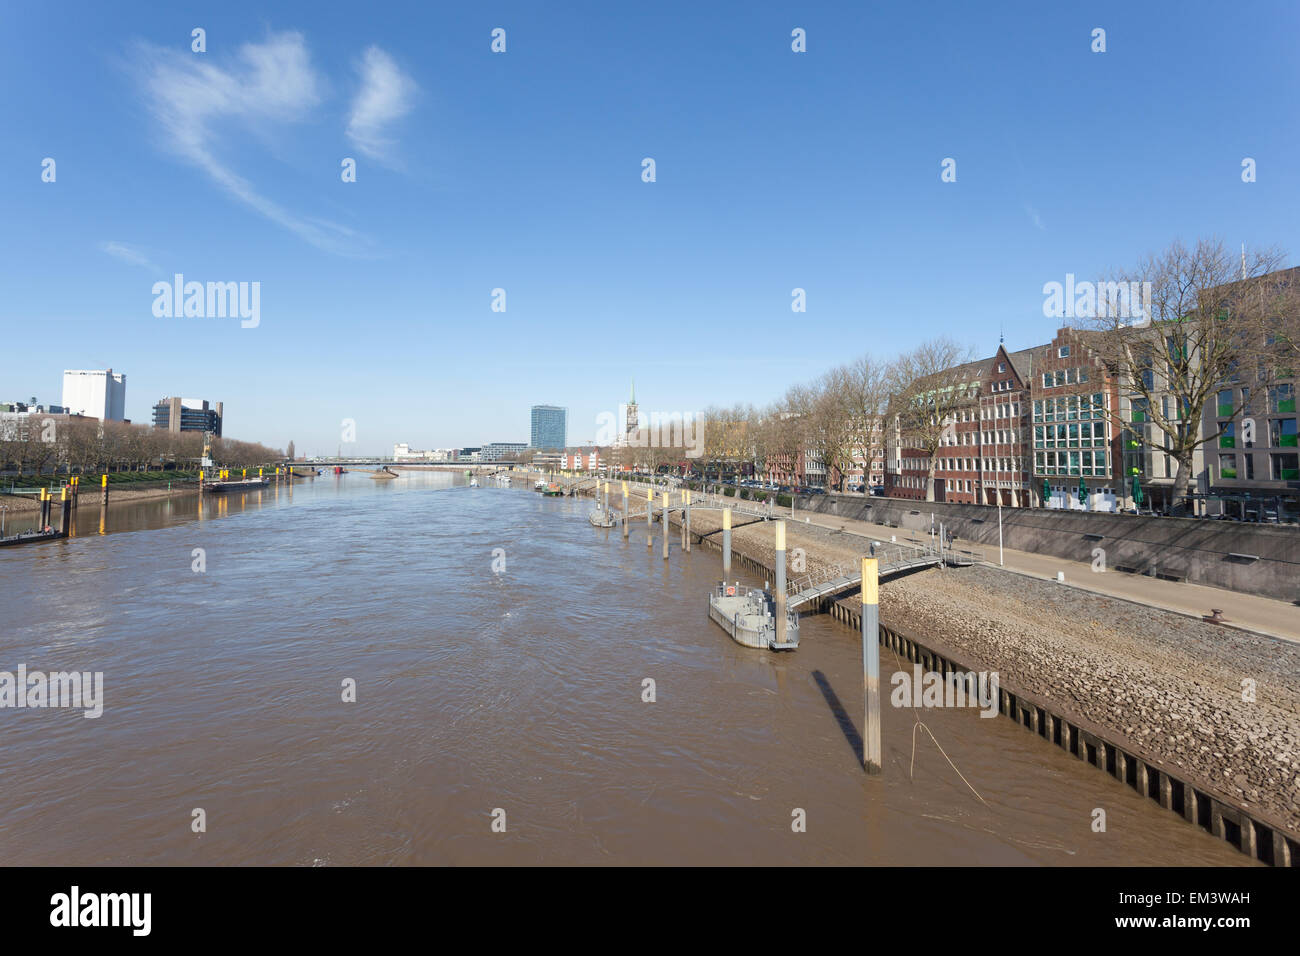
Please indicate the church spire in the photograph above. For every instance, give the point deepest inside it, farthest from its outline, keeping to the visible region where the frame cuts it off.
(632, 401)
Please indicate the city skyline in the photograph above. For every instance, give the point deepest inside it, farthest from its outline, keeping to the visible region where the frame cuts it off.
(775, 171)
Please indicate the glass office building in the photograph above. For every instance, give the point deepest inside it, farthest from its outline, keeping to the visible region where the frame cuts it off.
(550, 427)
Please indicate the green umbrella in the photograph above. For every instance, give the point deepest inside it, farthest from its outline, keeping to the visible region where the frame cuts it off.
(1137, 491)
(1083, 492)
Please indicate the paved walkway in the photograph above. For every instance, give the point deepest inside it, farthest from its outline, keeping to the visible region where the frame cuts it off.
(1274, 618)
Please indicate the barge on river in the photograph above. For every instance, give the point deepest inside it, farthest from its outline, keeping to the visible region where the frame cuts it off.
(749, 616)
(31, 537)
(243, 484)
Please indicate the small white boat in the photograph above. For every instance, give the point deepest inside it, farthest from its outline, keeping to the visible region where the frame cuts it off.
(473, 482)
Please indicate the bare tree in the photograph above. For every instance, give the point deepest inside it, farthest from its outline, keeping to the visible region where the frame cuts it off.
(931, 387)
(1200, 333)
(832, 433)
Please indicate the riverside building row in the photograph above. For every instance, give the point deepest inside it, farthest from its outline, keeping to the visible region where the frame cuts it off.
(1051, 427)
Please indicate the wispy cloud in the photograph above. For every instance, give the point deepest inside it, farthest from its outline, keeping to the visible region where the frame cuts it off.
(386, 95)
(271, 81)
(128, 253)
(1036, 219)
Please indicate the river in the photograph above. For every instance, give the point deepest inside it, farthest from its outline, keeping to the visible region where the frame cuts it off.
(486, 680)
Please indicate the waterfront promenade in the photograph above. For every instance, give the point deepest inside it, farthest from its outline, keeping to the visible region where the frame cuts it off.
(1275, 618)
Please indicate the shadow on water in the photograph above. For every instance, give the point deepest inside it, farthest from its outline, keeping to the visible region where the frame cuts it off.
(847, 727)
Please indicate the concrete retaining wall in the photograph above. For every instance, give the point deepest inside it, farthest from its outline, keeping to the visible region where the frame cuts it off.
(1253, 559)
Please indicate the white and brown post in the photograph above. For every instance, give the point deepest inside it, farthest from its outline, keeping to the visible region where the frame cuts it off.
(664, 519)
(686, 521)
(780, 583)
(726, 543)
(871, 665)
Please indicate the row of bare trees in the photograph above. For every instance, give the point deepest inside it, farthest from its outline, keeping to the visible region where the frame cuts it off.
(41, 444)
(842, 417)
(1213, 322)
(839, 419)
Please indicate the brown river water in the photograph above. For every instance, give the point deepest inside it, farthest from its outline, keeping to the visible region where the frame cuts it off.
(516, 688)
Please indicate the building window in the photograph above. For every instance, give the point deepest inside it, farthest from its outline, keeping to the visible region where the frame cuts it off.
(1281, 399)
(1227, 466)
(1063, 352)
(1285, 467)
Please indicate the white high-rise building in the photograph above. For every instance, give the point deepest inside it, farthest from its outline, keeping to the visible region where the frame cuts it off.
(95, 394)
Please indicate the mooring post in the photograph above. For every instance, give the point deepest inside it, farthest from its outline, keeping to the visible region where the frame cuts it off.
(687, 518)
(649, 516)
(45, 508)
(625, 511)
(726, 543)
(65, 523)
(780, 582)
(871, 665)
(103, 499)
(664, 518)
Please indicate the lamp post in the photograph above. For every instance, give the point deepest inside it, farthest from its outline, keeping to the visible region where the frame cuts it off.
(1000, 562)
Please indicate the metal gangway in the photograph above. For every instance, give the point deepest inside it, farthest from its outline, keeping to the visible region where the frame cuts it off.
(893, 559)
(738, 506)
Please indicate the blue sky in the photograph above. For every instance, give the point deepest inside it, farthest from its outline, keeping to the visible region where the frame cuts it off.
(522, 171)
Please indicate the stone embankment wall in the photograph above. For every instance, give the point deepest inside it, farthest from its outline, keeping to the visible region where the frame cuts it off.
(1253, 559)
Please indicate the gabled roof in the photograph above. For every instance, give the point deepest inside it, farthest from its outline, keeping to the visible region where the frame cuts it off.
(1022, 363)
